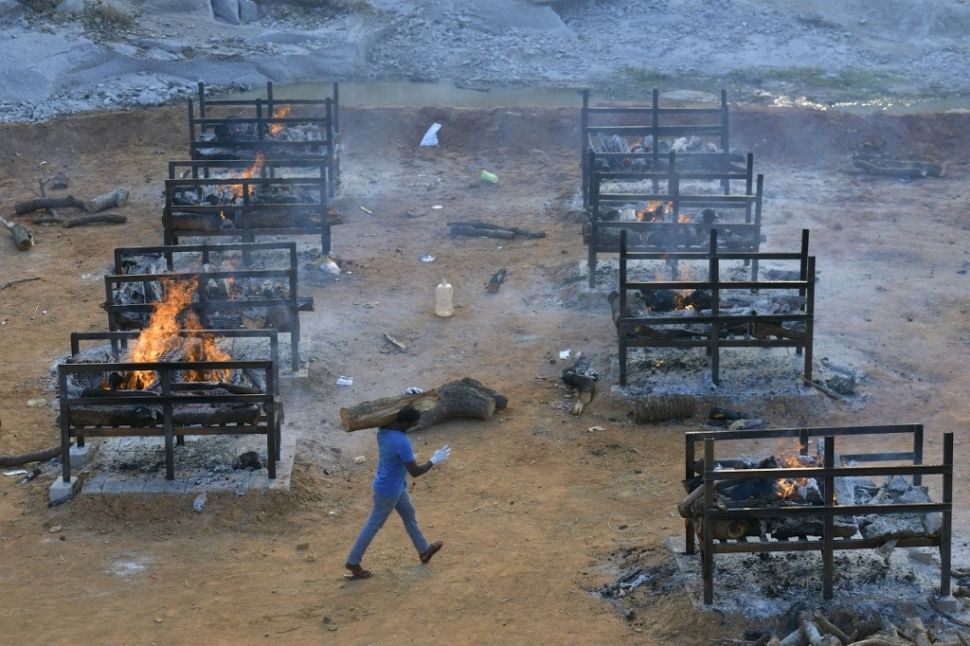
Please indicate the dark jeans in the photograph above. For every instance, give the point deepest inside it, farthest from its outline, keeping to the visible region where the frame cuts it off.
(382, 509)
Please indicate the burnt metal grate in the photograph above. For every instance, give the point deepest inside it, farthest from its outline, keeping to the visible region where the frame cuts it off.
(177, 407)
(714, 472)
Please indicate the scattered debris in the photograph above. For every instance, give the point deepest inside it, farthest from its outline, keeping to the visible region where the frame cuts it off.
(16, 472)
(248, 460)
(564, 354)
(595, 429)
(345, 381)
(745, 424)
(395, 342)
(199, 503)
(581, 378)
(496, 281)
(427, 258)
(430, 137)
(413, 390)
(724, 416)
(360, 459)
(36, 403)
(905, 169)
(11, 283)
(491, 178)
(366, 210)
(55, 528)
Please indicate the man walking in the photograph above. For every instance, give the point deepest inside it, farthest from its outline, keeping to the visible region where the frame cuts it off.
(390, 490)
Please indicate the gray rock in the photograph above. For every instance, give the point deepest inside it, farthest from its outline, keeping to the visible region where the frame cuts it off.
(10, 9)
(844, 385)
(894, 526)
(248, 11)
(897, 485)
(200, 7)
(70, 7)
(226, 10)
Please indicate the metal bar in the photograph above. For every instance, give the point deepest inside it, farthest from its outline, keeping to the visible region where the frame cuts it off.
(714, 275)
(707, 555)
(689, 473)
(65, 423)
(712, 112)
(336, 107)
(201, 100)
(272, 450)
(812, 431)
(166, 378)
(655, 125)
(810, 322)
(946, 531)
(918, 452)
(828, 521)
(813, 510)
(815, 546)
(585, 164)
(817, 472)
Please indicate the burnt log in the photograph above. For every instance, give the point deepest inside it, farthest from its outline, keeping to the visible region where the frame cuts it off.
(41, 203)
(464, 398)
(145, 417)
(27, 458)
(473, 232)
(659, 409)
(791, 527)
(487, 226)
(496, 281)
(105, 218)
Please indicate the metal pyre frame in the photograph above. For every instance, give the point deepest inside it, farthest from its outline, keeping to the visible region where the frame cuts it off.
(270, 206)
(122, 315)
(717, 470)
(741, 234)
(239, 128)
(722, 331)
(659, 123)
(157, 414)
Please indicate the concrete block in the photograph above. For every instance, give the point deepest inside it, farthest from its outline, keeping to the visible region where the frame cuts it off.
(79, 456)
(134, 484)
(113, 484)
(248, 11)
(226, 10)
(946, 604)
(61, 491)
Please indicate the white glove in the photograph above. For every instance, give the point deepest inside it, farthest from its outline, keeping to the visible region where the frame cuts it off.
(441, 454)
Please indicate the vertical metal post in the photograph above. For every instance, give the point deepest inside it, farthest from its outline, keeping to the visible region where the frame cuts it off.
(584, 161)
(166, 379)
(269, 98)
(759, 196)
(331, 169)
(917, 452)
(946, 532)
(201, 100)
(654, 128)
(810, 321)
(620, 332)
(828, 521)
(748, 181)
(336, 107)
(707, 553)
(294, 323)
(260, 122)
(725, 132)
(65, 423)
(191, 127)
(593, 242)
(272, 449)
(109, 302)
(803, 441)
(688, 474)
(715, 328)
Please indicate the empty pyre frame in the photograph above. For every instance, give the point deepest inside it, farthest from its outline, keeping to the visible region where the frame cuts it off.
(277, 306)
(645, 134)
(670, 228)
(214, 199)
(716, 472)
(717, 330)
(92, 404)
(278, 128)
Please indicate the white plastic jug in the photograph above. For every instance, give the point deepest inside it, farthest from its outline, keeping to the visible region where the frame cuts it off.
(444, 299)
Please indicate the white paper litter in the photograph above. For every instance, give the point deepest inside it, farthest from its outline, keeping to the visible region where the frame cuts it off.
(428, 258)
(345, 381)
(430, 138)
(564, 354)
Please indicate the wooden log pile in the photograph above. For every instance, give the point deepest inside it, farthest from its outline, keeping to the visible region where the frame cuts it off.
(816, 629)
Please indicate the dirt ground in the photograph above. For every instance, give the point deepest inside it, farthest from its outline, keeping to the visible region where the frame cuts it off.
(535, 512)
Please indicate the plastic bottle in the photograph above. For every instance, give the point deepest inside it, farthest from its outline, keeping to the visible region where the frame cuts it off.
(444, 299)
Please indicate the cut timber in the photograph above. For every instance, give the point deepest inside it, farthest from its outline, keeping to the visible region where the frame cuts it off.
(22, 237)
(582, 380)
(27, 458)
(144, 416)
(37, 204)
(105, 218)
(117, 197)
(473, 232)
(464, 398)
(479, 228)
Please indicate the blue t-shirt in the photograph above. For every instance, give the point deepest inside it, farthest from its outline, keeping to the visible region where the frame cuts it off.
(394, 449)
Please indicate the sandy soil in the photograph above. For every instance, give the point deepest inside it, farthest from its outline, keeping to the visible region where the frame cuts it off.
(535, 512)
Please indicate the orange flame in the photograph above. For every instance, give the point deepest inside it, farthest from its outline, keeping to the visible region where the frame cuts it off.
(248, 173)
(788, 487)
(683, 218)
(655, 211)
(161, 338)
(279, 113)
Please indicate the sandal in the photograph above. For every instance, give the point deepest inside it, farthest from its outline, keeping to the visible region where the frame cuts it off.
(431, 551)
(357, 572)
